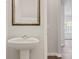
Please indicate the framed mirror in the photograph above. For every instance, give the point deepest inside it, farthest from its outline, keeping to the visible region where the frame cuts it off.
(26, 12)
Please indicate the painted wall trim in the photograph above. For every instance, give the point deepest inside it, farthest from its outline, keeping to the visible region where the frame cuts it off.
(45, 28)
(55, 54)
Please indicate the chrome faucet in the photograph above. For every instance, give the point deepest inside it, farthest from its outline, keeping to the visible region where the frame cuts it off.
(24, 36)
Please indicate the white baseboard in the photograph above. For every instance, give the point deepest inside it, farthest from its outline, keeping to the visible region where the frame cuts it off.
(55, 54)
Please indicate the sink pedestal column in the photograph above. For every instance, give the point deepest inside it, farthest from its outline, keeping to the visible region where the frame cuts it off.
(24, 54)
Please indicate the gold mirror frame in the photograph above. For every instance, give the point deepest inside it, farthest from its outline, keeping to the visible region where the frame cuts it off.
(19, 24)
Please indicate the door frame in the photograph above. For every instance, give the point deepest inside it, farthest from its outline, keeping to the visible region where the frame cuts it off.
(61, 27)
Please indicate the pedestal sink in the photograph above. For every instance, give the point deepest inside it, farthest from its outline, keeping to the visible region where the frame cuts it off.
(24, 45)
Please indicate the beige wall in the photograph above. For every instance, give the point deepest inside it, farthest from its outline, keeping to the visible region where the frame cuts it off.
(18, 31)
(52, 22)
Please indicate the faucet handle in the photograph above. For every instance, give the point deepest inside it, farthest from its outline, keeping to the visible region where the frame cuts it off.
(24, 36)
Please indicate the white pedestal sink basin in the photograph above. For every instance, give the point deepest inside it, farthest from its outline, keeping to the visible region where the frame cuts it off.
(24, 45)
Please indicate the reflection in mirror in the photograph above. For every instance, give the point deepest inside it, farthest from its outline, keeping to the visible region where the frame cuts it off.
(26, 12)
